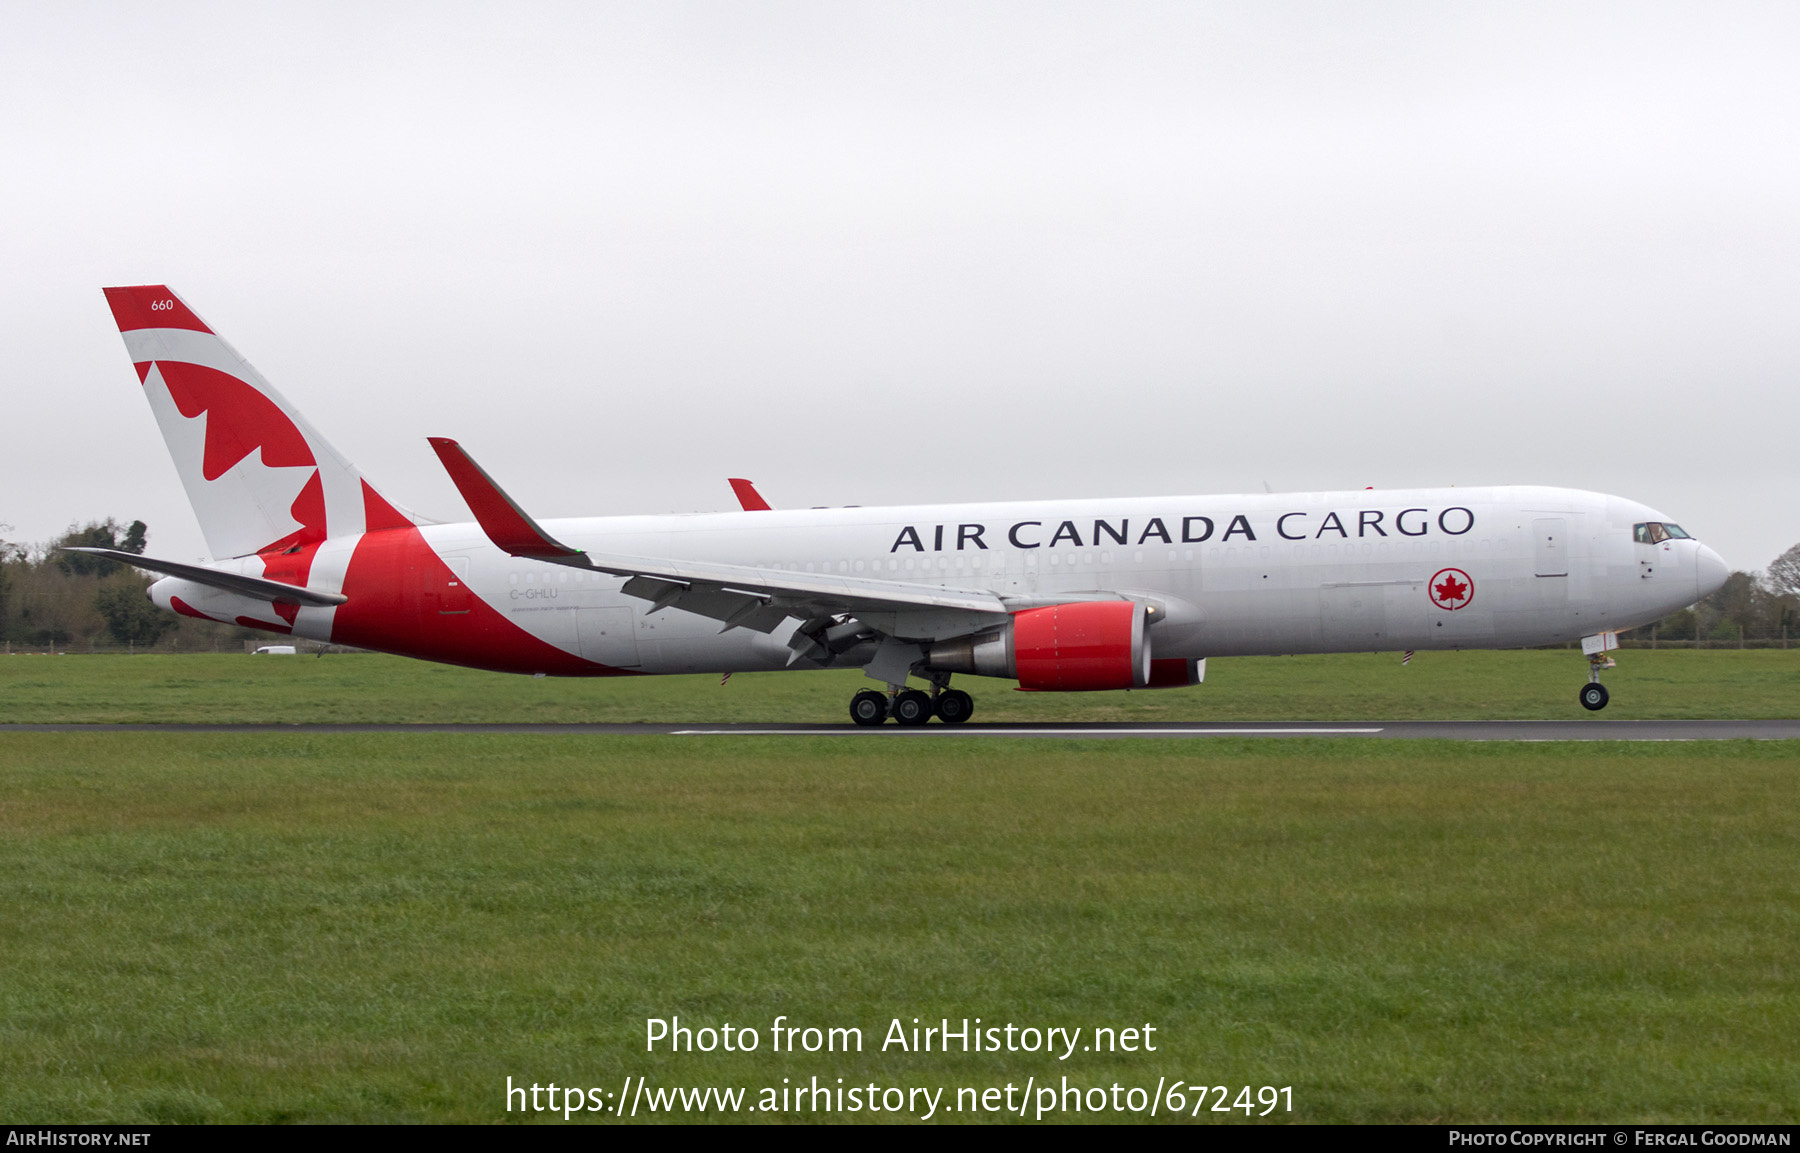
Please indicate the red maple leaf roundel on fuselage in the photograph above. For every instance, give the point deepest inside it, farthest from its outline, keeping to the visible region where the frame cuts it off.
(1451, 589)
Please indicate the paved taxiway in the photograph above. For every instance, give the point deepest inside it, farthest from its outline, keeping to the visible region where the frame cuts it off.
(1566, 730)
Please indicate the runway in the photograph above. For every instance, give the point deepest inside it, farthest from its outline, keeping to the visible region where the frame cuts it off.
(1563, 730)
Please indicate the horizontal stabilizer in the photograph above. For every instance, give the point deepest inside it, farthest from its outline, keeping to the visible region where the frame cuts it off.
(506, 524)
(253, 587)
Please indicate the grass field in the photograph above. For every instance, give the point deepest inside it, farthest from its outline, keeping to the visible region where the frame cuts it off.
(357, 927)
(385, 927)
(371, 688)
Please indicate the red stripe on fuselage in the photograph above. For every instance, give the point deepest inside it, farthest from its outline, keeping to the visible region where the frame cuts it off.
(396, 585)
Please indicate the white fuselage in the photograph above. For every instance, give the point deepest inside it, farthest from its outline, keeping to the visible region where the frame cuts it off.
(1231, 575)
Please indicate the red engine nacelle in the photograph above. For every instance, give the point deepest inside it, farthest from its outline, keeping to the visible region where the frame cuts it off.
(1080, 647)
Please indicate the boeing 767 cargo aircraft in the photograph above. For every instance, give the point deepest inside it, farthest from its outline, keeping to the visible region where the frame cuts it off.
(1059, 595)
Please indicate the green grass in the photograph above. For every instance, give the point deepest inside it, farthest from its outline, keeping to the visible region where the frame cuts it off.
(384, 927)
(370, 688)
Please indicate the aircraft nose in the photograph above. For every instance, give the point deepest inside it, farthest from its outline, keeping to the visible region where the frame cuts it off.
(1710, 572)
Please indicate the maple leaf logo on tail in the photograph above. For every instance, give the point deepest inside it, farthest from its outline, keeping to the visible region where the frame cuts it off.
(1451, 589)
(260, 478)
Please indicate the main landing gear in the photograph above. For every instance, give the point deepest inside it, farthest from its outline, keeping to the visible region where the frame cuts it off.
(911, 706)
(869, 707)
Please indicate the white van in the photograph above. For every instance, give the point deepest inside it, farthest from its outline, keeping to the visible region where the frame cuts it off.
(276, 651)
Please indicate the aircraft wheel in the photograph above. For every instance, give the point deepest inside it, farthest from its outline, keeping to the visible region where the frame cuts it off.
(954, 706)
(1594, 697)
(869, 707)
(912, 707)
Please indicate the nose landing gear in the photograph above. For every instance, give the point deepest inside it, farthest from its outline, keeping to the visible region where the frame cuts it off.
(1593, 695)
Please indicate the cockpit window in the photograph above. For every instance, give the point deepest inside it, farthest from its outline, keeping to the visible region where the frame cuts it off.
(1655, 532)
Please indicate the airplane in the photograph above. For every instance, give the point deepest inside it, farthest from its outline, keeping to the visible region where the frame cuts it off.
(1057, 595)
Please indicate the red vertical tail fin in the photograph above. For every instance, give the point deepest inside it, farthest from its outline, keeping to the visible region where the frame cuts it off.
(260, 478)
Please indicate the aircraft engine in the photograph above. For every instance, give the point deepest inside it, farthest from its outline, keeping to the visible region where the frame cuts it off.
(1079, 647)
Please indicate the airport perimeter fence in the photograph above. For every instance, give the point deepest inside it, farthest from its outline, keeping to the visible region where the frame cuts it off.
(1634, 642)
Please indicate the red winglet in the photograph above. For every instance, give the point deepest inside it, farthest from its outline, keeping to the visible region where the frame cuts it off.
(506, 524)
(151, 306)
(748, 496)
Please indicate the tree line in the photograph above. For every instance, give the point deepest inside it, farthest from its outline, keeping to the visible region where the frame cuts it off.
(61, 600)
(1750, 606)
(70, 600)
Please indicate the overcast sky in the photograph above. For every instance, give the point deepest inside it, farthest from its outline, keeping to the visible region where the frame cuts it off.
(884, 253)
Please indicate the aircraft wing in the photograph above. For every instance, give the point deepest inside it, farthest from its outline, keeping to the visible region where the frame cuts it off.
(255, 587)
(739, 595)
(710, 589)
